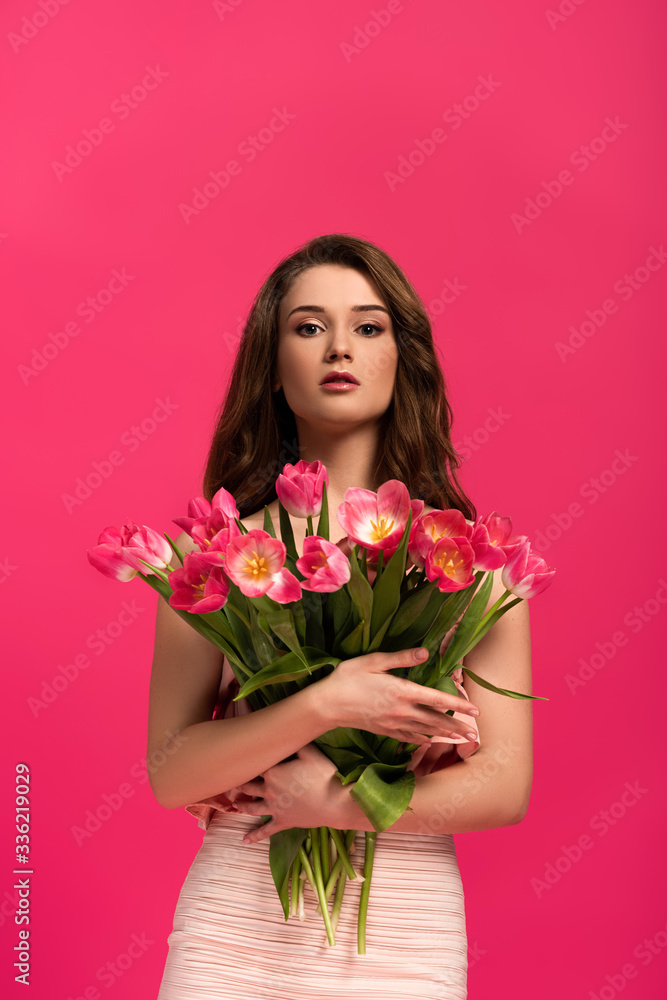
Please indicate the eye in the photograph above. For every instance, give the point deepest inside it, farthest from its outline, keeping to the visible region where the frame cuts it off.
(373, 327)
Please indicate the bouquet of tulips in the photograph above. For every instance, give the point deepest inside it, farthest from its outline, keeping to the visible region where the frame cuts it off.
(284, 619)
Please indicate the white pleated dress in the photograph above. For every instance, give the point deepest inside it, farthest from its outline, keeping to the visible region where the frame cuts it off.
(230, 938)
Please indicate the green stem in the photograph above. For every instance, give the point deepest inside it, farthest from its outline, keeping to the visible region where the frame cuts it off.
(339, 863)
(480, 624)
(371, 837)
(343, 849)
(310, 530)
(324, 852)
(338, 900)
(315, 877)
(295, 883)
(301, 913)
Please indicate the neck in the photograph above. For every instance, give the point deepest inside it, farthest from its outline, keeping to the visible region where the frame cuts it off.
(349, 458)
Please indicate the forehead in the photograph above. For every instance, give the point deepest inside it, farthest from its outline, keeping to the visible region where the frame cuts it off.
(332, 287)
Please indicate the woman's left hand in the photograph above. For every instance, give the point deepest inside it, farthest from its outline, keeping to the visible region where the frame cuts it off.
(302, 793)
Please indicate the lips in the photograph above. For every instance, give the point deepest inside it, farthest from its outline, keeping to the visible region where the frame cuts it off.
(335, 376)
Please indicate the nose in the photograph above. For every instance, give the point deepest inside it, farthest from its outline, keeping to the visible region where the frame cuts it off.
(340, 344)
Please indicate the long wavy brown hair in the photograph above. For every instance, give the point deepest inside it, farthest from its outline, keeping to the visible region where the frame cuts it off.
(256, 431)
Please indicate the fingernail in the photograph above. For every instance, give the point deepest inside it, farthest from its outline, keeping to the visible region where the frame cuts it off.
(470, 736)
(473, 711)
(421, 654)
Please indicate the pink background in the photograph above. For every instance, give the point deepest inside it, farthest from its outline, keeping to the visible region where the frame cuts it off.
(356, 103)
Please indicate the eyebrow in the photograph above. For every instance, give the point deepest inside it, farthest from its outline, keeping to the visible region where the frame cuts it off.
(321, 309)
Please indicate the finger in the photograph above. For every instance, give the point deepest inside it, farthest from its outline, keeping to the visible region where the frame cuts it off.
(440, 700)
(252, 787)
(261, 833)
(403, 658)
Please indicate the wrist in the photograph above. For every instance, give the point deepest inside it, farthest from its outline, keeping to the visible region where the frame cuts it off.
(320, 707)
(351, 816)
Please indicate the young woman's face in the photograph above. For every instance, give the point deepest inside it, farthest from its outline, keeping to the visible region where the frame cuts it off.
(334, 319)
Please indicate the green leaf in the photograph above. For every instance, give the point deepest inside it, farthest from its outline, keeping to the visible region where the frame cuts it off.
(264, 648)
(282, 623)
(344, 760)
(411, 607)
(287, 532)
(175, 547)
(489, 624)
(352, 644)
(346, 779)
(311, 601)
(323, 523)
(499, 690)
(268, 522)
(288, 667)
(339, 606)
(383, 792)
(299, 618)
(361, 593)
(445, 618)
(283, 848)
(469, 622)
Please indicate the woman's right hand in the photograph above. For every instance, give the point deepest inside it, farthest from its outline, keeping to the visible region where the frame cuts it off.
(361, 694)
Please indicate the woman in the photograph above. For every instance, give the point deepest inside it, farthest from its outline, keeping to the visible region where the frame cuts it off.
(337, 305)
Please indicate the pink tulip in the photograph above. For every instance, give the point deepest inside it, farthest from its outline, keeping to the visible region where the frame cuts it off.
(449, 563)
(429, 528)
(488, 537)
(199, 510)
(108, 556)
(300, 488)
(514, 543)
(377, 520)
(200, 586)
(526, 574)
(323, 564)
(146, 543)
(256, 563)
(217, 528)
(119, 551)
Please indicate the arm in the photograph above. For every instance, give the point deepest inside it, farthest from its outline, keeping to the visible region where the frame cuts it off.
(492, 787)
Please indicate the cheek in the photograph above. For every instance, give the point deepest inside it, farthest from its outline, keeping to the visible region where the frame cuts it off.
(379, 368)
